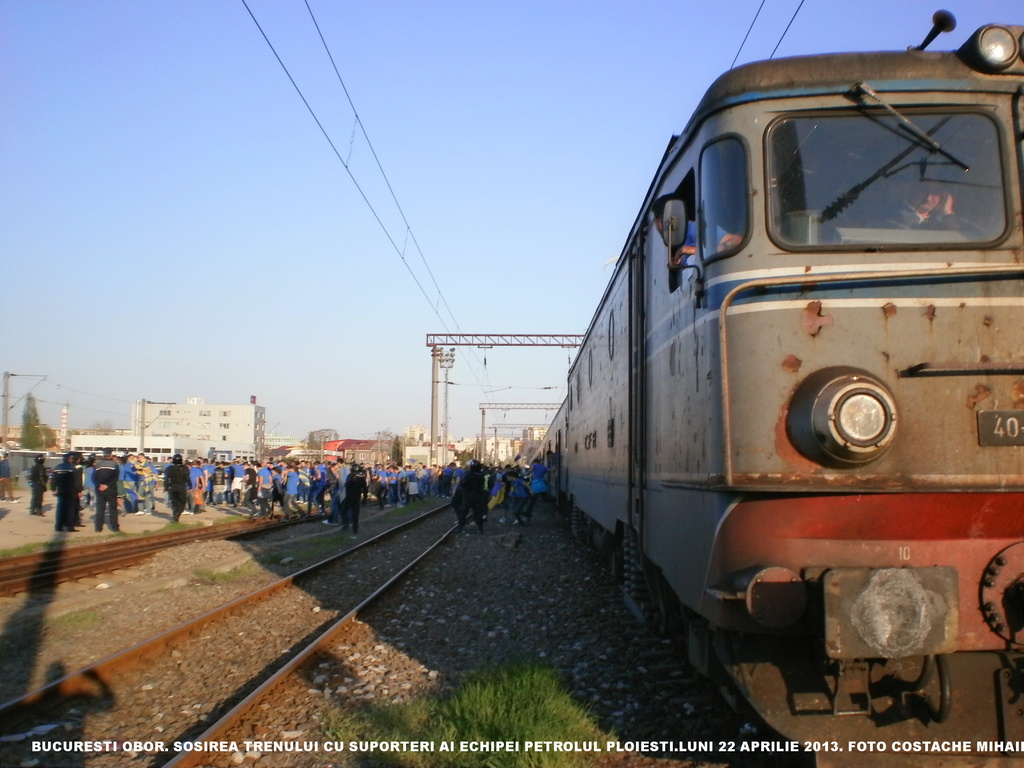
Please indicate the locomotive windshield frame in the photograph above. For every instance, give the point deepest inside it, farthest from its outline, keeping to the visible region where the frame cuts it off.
(855, 180)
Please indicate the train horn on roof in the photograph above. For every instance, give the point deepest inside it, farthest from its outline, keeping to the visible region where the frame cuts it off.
(942, 21)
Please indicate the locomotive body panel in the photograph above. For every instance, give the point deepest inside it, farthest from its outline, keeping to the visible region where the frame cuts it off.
(937, 442)
(816, 435)
(597, 411)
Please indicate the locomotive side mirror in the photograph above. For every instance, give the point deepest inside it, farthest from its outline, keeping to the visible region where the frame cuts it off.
(673, 227)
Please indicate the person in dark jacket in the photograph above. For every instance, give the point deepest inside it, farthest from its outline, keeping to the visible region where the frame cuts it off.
(355, 487)
(474, 496)
(105, 475)
(37, 482)
(78, 462)
(64, 483)
(178, 484)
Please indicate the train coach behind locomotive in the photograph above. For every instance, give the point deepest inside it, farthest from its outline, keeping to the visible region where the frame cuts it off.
(797, 420)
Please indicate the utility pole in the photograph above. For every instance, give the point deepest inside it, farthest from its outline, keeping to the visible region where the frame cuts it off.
(7, 397)
(446, 360)
(484, 407)
(485, 341)
(506, 428)
(435, 354)
(142, 425)
(65, 444)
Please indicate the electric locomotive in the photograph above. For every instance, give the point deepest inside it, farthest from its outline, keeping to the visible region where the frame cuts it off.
(796, 424)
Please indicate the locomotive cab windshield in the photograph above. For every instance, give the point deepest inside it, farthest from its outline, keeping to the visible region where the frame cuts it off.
(865, 180)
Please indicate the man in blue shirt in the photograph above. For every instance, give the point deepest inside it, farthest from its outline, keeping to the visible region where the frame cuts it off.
(265, 488)
(129, 478)
(446, 480)
(5, 479)
(538, 485)
(319, 489)
(198, 478)
(208, 468)
(146, 485)
(291, 490)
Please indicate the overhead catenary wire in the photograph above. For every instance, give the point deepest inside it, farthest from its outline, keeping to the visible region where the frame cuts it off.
(751, 27)
(408, 227)
(380, 167)
(786, 30)
(345, 164)
(78, 407)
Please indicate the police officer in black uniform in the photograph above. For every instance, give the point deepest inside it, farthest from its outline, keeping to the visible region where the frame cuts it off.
(37, 481)
(178, 484)
(105, 474)
(63, 482)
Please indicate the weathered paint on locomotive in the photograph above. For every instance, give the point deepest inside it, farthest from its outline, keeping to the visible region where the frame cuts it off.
(964, 531)
(753, 534)
(598, 398)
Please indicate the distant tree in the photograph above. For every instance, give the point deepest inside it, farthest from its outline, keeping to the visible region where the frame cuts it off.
(464, 456)
(398, 449)
(106, 425)
(50, 438)
(32, 436)
(383, 444)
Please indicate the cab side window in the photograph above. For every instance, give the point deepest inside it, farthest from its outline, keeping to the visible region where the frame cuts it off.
(724, 216)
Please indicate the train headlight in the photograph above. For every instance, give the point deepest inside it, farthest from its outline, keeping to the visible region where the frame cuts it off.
(994, 48)
(998, 47)
(841, 417)
(862, 417)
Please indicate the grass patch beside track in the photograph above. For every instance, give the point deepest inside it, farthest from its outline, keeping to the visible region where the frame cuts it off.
(518, 703)
(57, 544)
(76, 621)
(23, 549)
(243, 571)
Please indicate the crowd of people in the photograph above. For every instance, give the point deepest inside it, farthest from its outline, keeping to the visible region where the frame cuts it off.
(333, 490)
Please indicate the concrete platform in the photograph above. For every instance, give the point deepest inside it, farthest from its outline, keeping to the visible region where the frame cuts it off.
(18, 527)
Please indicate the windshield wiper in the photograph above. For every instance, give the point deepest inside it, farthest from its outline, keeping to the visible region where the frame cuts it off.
(870, 92)
(848, 198)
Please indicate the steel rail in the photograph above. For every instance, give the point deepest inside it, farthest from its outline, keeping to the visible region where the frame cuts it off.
(49, 567)
(237, 714)
(98, 678)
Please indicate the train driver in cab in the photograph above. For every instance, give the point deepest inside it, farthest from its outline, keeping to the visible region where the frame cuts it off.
(928, 205)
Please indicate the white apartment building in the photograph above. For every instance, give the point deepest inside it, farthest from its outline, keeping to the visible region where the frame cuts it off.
(160, 449)
(417, 434)
(272, 440)
(233, 429)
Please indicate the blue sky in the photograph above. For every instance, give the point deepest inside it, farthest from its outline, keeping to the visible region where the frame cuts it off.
(174, 222)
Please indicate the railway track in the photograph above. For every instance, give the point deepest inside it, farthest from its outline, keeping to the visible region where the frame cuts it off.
(245, 717)
(216, 658)
(49, 567)
(511, 595)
